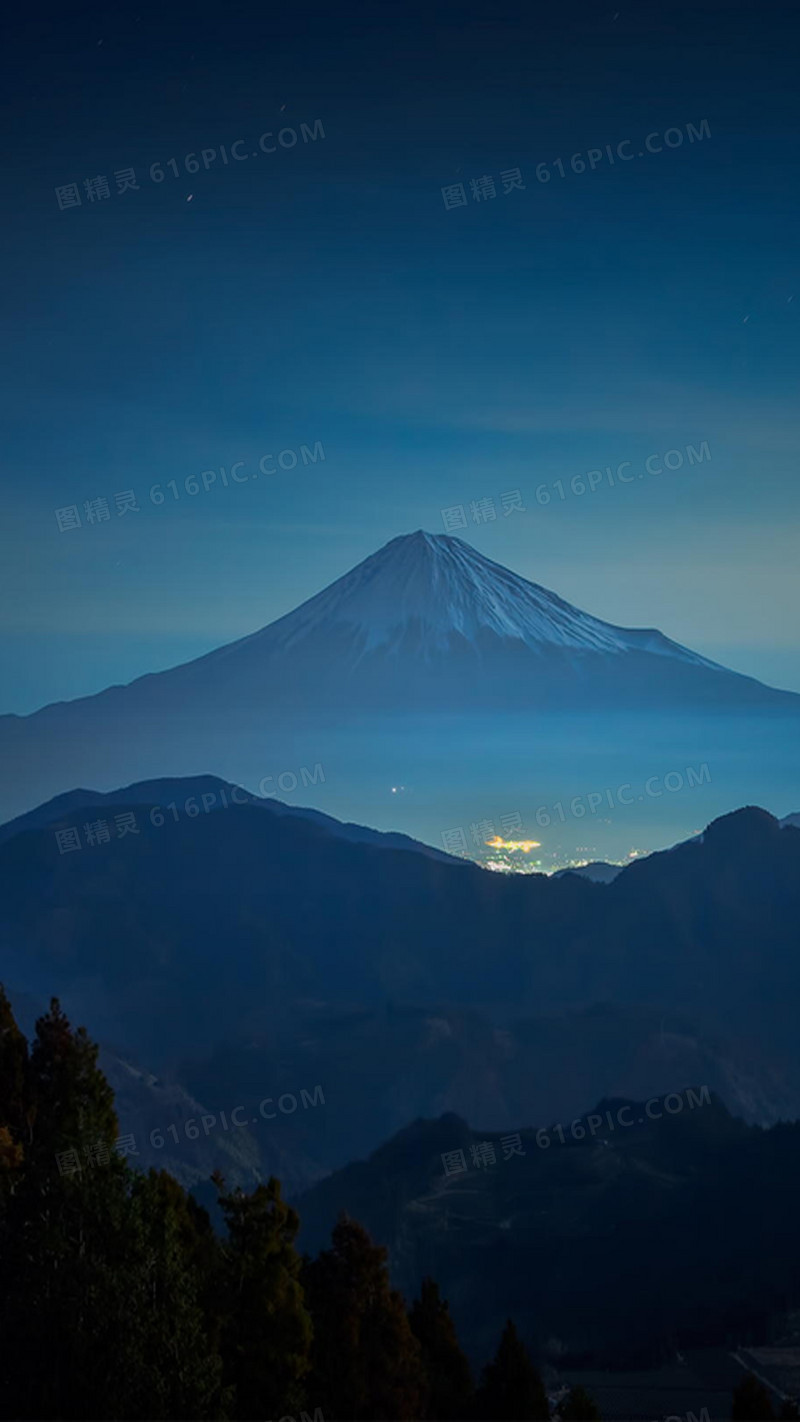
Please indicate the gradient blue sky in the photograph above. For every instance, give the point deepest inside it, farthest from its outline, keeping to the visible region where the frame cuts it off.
(323, 293)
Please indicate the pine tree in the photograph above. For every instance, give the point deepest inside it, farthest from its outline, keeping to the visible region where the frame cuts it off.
(72, 1101)
(512, 1390)
(449, 1381)
(367, 1363)
(751, 1401)
(579, 1406)
(266, 1327)
(102, 1272)
(15, 1105)
(63, 1229)
(167, 1364)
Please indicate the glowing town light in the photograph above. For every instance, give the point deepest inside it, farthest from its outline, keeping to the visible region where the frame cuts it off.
(526, 845)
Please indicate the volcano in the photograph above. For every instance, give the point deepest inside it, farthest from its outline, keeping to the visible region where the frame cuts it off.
(426, 626)
(430, 594)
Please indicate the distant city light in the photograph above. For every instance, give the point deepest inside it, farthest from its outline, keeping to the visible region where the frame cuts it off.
(526, 845)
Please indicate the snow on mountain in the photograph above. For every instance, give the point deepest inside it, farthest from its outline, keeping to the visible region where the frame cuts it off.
(377, 677)
(436, 587)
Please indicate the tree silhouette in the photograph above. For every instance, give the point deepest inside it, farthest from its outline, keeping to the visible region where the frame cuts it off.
(63, 1231)
(751, 1401)
(266, 1328)
(579, 1406)
(367, 1363)
(512, 1390)
(449, 1381)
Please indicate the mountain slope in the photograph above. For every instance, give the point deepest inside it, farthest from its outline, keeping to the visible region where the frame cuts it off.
(619, 1244)
(425, 589)
(209, 794)
(418, 619)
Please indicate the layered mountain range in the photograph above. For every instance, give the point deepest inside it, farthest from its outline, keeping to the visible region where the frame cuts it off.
(627, 1236)
(247, 950)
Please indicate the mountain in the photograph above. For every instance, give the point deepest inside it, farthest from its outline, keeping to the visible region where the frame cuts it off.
(375, 680)
(245, 953)
(425, 596)
(597, 871)
(619, 1243)
(209, 794)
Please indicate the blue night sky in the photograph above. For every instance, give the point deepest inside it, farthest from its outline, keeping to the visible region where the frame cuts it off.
(325, 294)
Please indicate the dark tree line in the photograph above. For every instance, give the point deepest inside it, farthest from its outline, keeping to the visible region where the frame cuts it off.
(119, 1300)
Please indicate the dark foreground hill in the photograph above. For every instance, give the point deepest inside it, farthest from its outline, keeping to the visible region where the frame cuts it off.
(229, 918)
(638, 1237)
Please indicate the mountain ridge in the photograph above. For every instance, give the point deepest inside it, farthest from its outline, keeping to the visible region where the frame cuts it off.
(445, 584)
(483, 600)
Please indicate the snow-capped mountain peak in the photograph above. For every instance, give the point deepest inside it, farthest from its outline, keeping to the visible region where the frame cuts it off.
(439, 588)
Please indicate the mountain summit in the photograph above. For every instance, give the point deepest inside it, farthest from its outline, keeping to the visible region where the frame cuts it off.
(428, 623)
(436, 588)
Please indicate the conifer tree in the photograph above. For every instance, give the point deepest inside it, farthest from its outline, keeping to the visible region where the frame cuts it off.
(367, 1364)
(512, 1390)
(168, 1364)
(63, 1231)
(449, 1381)
(15, 1105)
(579, 1406)
(751, 1401)
(266, 1327)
